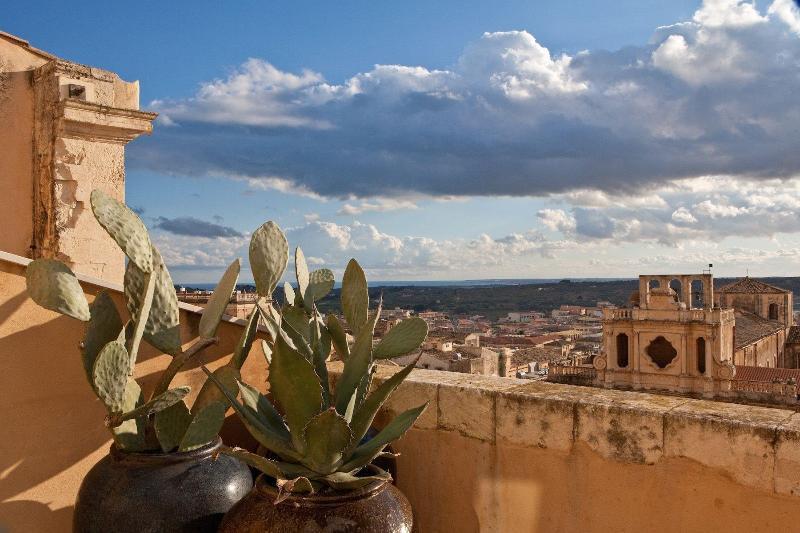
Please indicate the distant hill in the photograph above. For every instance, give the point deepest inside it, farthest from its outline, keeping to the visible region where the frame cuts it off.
(497, 300)
(494, 301)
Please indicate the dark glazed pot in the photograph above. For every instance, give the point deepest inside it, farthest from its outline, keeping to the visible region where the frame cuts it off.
(155, 492)
(378, 507)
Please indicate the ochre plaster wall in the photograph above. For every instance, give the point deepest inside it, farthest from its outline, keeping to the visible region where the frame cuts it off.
(52, 423)
(16, 147)
(457, 483)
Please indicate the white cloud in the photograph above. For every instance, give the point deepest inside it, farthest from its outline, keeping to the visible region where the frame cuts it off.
(788, 12)
(729, 13)
(715, 95)
(377, 205)
(683, 216)
(557, 220)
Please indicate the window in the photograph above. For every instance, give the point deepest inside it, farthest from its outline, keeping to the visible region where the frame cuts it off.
(622, 350)
(701, 355)
(773, 311)
(661, 351)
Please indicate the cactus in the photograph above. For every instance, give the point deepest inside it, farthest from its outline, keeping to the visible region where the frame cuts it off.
(110, 346)
(315, 436)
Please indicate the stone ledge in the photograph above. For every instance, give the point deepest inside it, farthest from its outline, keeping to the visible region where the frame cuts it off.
(757, 447)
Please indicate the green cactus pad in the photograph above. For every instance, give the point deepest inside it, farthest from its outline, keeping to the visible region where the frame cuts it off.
(338, 337)
(264, 409)
(355, 296)
(301, 271)
(365, 414)
(210, 393)
(204, 427)
(288, 293)
(163, 401)
(245, 342)
(129, 435)
(269, 255)
(368, 451)
(170, 425)
(357, 366)
(125, 228)
(320, 283)
(162, 329)
(219, 301)
(327, 435)
(52, 285)
(403, 338)
(110, 375)
(105, 326)
(295, 387)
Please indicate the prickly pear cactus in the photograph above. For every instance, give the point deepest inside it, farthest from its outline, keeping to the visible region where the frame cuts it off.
(108, 352)
(316, 435)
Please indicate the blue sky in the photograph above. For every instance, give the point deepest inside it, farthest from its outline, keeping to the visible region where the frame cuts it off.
(452, 140)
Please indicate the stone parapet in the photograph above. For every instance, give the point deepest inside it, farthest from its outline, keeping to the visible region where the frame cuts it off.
(757, 447)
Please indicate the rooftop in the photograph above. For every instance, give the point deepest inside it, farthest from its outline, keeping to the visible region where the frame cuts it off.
(749, 285)
(750, 328)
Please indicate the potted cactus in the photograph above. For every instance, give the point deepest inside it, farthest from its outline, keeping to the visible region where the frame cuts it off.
(317, 463)
(160, 474)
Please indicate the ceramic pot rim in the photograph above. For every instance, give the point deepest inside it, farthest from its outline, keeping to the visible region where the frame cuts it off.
(154, 459)
(268, 490)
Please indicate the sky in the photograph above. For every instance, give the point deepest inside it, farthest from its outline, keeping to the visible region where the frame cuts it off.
(457, 139)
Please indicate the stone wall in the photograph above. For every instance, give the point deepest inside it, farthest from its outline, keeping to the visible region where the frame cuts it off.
(505, 455)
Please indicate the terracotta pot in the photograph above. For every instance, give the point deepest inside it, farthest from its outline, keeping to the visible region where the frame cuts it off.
(155, 492)
(378, 507)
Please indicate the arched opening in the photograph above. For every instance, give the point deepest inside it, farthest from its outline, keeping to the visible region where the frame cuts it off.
(701, 355)
(676, 286)
(653, 284)
(773, 311)
(697, 294)
(622, 350)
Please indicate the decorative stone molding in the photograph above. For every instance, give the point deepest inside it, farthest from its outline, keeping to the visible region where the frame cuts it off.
(95, 122)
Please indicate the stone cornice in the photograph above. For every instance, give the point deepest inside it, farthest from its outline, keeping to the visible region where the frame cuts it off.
(84, 120)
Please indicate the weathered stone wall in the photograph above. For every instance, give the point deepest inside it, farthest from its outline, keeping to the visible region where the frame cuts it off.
(766, 351)
(55, 147)
(80, 146)
(506, 455)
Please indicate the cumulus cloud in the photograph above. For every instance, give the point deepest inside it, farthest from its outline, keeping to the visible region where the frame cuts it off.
(715, 95)
(708, 208)
(378, 205)
(383, 255)
(194, 227)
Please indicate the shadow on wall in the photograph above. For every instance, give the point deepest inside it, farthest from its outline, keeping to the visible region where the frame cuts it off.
(52, 423)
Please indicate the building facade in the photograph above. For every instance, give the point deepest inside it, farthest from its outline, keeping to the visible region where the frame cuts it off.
(63, 131)
(673, 340)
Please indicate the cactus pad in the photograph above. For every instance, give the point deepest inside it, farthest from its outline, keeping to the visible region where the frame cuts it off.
(162, 329)
(52, 285)
(104, 327)
(204, 427)
(125, 228)
(269, 255)
(403, 338)
(110, 373)
(219, 301)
